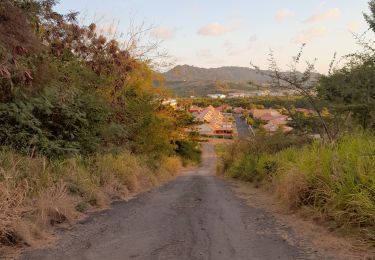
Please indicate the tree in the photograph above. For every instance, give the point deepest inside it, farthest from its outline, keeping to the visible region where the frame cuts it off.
(303, 84)
(370, 18)
(352, 89)
(66, 89)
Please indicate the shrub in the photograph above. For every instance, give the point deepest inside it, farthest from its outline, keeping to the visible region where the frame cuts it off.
(245, 169)
(189, 151)
(52, 127)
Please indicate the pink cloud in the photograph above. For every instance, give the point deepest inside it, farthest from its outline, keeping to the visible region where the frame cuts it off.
(330, 14)
(163, 33)
(283, 14)
(216, 29)
(310, 34)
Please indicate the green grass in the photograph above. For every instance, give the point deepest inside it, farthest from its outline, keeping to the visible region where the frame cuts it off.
(335, 181)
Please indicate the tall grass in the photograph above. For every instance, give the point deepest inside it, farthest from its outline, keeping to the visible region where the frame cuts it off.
(336, 182)
(37, 193)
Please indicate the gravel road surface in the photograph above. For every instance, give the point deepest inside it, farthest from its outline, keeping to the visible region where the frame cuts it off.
(196, 216)
(242, 128)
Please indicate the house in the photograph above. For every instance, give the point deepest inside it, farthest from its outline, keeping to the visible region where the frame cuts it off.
(170, 102)
(272, 127)
(223, 108)
(216, 96)
(195, 109)
(209, 114)
(216, 130)
(275, 120)
(236, 95)
(281, 120)
(238, 110)
(214, 123)
(259, 113)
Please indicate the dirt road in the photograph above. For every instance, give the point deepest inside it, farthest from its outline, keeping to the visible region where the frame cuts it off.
(242, 127)
(197, 216)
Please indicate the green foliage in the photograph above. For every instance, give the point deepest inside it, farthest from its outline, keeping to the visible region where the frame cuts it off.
(259, 151)
(77, 93)
(189, 151)
(352, 89)
(370, 18)
(51, 126)
(305, 123)
(336, 181)
(252, 102)
(339, 178)
(245, 169)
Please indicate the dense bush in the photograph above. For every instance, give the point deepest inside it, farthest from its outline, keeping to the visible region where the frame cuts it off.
(75, 92)
(189, 151)
(46, 125)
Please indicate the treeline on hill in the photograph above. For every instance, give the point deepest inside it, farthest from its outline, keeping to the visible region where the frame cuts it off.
(251, 102)
(80, 121)
(331, 179)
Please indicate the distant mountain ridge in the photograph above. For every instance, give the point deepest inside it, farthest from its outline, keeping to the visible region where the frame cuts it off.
(228, 73)
(186, 80)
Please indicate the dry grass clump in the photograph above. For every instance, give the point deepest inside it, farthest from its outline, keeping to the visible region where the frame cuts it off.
(335, 183)
(125, 167)
(170, 167)
(55, 205)
(37, 194)
(10, 213)
(292, 190)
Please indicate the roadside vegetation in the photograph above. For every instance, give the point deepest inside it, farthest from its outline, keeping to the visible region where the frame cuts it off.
(333, 183)
(331, 178)
(81, 123)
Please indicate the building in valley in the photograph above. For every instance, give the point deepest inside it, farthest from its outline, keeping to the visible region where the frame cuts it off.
(273, 118)
(217, 96)
(214, 123)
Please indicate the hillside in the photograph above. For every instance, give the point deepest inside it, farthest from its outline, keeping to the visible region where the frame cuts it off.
(185, 80)
(232, 74)
(205, 87)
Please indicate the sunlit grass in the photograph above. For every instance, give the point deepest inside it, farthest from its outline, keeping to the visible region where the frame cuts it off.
(38, 193)
(336, 181)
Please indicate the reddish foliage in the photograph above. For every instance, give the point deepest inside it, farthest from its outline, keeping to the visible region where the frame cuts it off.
(16, 32)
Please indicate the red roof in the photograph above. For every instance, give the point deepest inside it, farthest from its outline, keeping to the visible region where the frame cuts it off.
(304, 110)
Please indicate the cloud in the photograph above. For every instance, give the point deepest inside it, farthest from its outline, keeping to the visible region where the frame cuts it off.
(228, 45)
(163, 33)
(205, 53)
(231, 48)
(283, 14)
(235, 49)
(252, 42)
(321, 5)
(216, 29)
(353, 26)
(330, 14)
(310, 34)
(253, 38)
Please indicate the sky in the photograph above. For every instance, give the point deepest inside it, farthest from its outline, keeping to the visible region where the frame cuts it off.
(215, 33)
